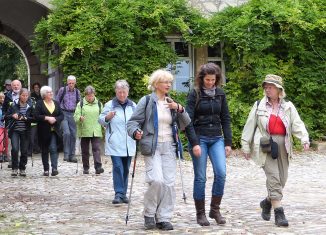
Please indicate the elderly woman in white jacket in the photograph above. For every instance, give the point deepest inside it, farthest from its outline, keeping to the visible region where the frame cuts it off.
(118, 144)
(273, 117)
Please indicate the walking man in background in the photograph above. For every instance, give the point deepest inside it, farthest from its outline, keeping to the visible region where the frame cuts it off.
(68, 97)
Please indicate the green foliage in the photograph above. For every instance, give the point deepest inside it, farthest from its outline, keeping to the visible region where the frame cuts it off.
(280, 37)
(102, 41)
(12, 62)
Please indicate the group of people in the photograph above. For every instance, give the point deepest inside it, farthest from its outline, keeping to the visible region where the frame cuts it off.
(154, 123)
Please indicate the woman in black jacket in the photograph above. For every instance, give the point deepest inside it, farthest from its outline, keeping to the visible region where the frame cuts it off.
(18, 121)
(209, 135)
(48, 115)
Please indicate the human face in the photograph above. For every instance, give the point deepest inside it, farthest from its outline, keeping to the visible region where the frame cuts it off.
(163, 87)
(90, 97)
(271, 91)
(122, 94)
(36, 89)
(16, 86)
(2, 98)
(71, 84)
(48, 95)
(209, 81)
(23, 97)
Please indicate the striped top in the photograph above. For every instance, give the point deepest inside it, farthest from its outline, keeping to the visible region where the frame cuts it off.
(20, 125)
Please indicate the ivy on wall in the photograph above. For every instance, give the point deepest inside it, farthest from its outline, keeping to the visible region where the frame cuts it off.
(101, 41)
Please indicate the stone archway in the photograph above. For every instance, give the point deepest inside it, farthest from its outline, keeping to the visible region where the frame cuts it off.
(17, 21)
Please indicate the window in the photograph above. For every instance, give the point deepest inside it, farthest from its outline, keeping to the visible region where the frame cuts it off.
(215, 55)
(183, 69)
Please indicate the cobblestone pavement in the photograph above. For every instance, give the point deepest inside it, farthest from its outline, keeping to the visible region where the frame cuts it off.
(73, 203)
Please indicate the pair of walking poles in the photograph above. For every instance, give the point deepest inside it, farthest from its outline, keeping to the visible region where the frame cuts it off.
(179, 154)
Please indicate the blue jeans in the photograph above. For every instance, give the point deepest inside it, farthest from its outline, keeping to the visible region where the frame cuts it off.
(52, 148)
(69, 130)
(120, 174)
(212, 147)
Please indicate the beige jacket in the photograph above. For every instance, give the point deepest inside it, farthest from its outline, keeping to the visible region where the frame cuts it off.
(252, 133)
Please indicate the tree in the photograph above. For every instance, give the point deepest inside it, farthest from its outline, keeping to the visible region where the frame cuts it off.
(102, 41)
(12, 63)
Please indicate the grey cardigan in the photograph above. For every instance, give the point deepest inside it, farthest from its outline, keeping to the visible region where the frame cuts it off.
(146, 120)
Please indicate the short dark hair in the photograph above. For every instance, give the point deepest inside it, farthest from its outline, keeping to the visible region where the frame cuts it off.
(208, 69)
(36, 83)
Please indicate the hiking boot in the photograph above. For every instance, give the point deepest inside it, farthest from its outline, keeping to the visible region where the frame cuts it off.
(85, 171)
(125, 199)
(266, 207)
(73, 159)
(164, 226)
(22, 173)
(280, 219)
(200, 213)
(214, 213)
(14, 172)
(54, 172)
(99, 170)
(46, 173)
(117, 200)
(149, 223)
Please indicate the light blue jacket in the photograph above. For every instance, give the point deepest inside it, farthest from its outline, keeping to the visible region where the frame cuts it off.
(117, 140)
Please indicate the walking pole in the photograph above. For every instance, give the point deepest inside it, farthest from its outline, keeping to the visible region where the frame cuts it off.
(132, 183)
(179, 157)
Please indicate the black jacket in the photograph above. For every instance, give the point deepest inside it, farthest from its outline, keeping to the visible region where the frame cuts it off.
(209, 117)
(44, 128)
(15, 108)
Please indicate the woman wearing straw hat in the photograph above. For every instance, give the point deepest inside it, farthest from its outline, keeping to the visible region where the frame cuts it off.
(267, 138)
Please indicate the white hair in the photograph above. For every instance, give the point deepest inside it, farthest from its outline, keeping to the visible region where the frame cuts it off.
(157, 76)
(71, 78)
(44, 90)
(121, 84)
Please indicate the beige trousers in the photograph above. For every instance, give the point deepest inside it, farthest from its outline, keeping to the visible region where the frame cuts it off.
(276, 170)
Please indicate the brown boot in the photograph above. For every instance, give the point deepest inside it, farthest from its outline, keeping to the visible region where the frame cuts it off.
(214, 213)
(200, 213)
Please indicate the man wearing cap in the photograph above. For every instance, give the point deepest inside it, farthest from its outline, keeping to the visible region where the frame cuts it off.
(277, 120)
(68, 97)
(7, 86)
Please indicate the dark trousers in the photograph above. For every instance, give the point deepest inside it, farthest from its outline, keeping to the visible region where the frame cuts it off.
(96, 149)
(19, 141)
(52, 149)
(33, 143)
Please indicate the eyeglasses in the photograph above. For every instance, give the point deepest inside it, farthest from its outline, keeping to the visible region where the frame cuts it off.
(166, 82)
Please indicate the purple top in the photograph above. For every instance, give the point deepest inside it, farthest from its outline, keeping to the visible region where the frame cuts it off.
(69, 101)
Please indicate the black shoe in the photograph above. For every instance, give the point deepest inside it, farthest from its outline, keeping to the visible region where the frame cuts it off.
(66, 159)
(117, 200)
(5, 159)
(280, 219)
(14, 172)
(266, 207)
(1, 158)
(22, 173)
(149, 222)
(99, 170)
(85, 171)
(125, 199)
(46, 173)
(73, 159)
(164, 226)
(9, 165)
(54, 172)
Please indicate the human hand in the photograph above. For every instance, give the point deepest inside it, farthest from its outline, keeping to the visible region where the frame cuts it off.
(82, 118)
(196, 150)
(306, 146)
(170, 103)
(228, 150)
(110, 115)
(246, 155)
(138, 134)
(15, 116)
(51, 120)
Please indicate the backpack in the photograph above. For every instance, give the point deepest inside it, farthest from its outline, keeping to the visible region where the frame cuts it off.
(81, 103)
(64, 93)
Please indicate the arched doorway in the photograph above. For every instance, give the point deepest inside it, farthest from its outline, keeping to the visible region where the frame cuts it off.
(17, 22)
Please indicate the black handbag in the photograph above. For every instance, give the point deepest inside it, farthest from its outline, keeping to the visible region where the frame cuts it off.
(274, 149)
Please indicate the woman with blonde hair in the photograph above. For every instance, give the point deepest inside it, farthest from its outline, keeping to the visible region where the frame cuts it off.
(151, 124)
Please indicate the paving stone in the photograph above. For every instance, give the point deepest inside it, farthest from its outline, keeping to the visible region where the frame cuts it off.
(73, 203)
